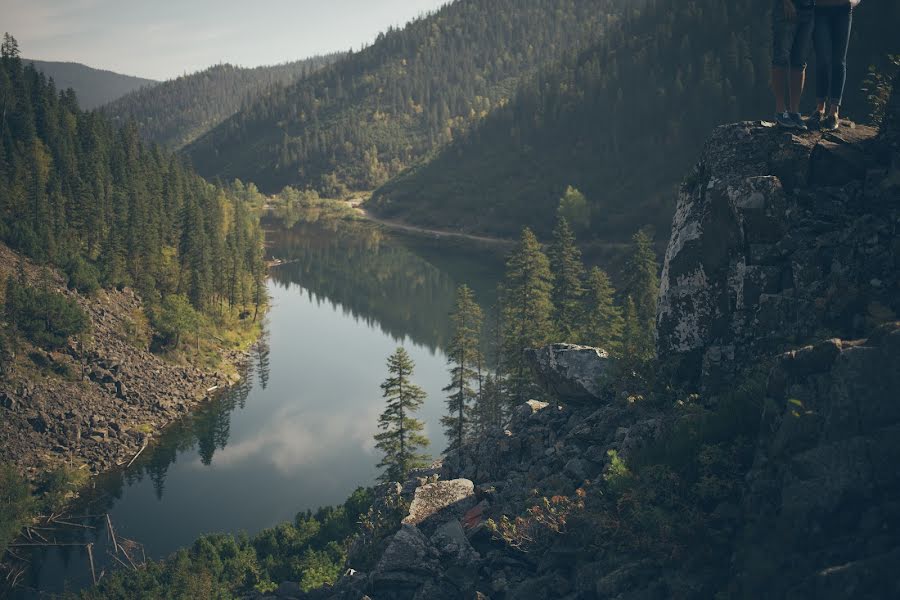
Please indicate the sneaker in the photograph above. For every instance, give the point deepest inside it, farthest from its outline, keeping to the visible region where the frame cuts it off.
(798, 122)
(784, 120)
(815, 119)
(830, 123)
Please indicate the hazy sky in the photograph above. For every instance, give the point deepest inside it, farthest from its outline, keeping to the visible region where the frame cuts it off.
(161, 39)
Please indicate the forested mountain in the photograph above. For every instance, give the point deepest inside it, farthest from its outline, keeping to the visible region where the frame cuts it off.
(621, 121)
(94, 87)
(178, 111)
(365, 118)
(79, 192)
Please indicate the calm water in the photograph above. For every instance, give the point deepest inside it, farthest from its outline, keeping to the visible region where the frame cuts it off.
(297, 433)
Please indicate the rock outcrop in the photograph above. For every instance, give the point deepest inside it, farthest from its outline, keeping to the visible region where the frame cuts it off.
(777, 239)
(823, 496)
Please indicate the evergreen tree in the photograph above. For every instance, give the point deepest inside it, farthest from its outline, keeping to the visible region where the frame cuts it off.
(643, 288)
(526, 310)
(80, 193)
(464, 354)
(401, 435)
(488, 412)
(603, 322)
(10, 47)
(568, 273)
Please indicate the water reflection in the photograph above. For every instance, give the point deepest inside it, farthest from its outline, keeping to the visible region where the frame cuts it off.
(369, 276)
(297, 432)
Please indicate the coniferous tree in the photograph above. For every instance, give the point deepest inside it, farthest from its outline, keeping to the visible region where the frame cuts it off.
(464, 354)
(83, 194)
(603, 322)
(401, 437)
(568, 289)
(527, 310)
(643, 288)
(488, 411)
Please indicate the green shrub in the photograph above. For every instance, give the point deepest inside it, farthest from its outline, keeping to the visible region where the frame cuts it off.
(174, 318)
(16, 504)
(83, 276)
(43, 316)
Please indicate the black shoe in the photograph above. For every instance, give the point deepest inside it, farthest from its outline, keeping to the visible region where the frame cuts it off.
(815, 120)
(784, 120)
(798, 122)
(830, 123)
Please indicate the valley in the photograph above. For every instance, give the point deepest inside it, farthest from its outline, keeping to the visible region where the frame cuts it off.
(511, 299)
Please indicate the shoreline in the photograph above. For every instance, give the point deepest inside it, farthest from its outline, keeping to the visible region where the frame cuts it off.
(93, 405)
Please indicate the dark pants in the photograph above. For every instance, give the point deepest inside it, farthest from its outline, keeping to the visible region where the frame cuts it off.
(832, 38)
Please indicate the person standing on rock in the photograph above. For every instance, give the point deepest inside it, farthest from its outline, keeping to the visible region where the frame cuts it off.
(792, 32)
(833, 21)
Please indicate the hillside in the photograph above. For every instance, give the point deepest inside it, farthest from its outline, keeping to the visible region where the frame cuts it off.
(94, 402)
(81, 194)
(94, 87)
(758, 462)
(178, 111)
(620, 121)
(364, 119)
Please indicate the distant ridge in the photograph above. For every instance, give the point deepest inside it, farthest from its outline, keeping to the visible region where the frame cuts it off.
(94, 87)
(178, 111)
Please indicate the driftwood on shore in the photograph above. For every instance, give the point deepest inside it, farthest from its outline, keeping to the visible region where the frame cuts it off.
(123, 551)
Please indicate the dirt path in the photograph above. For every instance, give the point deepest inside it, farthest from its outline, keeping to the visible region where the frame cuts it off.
(355, 204)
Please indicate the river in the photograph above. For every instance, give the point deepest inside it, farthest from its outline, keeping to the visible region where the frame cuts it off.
(296, 434)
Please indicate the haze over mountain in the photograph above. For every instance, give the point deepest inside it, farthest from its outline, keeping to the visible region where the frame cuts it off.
(94, 87)
(178, 111)
(381, 109)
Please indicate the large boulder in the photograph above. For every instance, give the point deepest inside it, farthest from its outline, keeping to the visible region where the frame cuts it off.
(776, 237)
(408, 562)
(438, 502)
(573, 373)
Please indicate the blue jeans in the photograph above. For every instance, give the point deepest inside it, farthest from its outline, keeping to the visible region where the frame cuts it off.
(791, 39)
(832, 38)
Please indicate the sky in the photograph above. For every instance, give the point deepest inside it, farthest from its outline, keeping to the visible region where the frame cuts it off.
(162, 39)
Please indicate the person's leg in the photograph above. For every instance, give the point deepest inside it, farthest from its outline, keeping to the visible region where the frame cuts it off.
(782, 40)
(841, 26)
(802, 42)
(798, 81)
(822, 43)
(779, 87)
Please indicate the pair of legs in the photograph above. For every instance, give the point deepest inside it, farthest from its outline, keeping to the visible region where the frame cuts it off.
(788, 93)
(832, 39)
(792, 37)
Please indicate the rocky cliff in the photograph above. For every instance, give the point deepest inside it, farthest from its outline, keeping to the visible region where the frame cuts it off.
(777, 239)
(94, 404)
(778, 479)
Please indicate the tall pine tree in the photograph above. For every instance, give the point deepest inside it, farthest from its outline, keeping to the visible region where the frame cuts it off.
(526, 310)
(568, 273)
(401, 437)
(643, 288)
(464, 354)
(603, 319)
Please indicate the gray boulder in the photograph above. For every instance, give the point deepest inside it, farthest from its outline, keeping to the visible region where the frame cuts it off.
(440, 501)
(573, 373)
